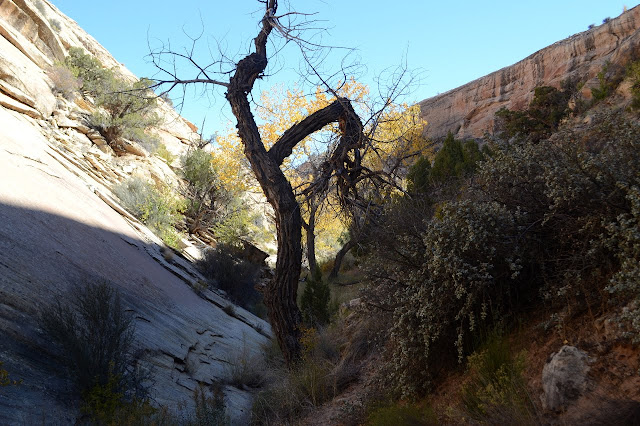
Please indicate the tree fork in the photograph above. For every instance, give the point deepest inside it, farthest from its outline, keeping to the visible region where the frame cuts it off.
(281, 293)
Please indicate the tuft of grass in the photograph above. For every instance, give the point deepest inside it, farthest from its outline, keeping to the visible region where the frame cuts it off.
(399, 414)
(230, 310)
(496, 391)
(164, 153)
(246, 370)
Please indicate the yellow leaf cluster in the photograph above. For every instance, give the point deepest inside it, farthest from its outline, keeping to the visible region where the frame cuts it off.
(279, 109)
(232, 166)
(397, 135)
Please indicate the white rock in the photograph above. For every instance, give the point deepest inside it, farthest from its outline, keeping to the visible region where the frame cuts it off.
(564, 378)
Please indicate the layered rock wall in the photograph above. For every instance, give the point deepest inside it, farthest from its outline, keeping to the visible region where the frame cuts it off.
(468, 111)
(60, 226)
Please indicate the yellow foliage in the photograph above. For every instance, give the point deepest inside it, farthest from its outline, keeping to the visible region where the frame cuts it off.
(397, 135)
(282, 108)
(232, 166)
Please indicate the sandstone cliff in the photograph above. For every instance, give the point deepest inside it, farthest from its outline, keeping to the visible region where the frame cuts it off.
(59, 225)
(468, 111)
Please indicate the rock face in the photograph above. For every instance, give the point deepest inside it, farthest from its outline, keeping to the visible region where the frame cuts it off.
(564, 378)
(60, 226)
(468, 111)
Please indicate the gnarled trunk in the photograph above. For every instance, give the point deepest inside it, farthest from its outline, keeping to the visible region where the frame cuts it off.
(310, 229)
(340, 257)
(281, 294)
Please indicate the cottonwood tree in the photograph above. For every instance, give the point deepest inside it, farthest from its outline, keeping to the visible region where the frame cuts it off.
(342, 167)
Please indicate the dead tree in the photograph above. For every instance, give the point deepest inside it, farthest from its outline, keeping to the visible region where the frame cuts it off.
(341, 169)
(343, 164)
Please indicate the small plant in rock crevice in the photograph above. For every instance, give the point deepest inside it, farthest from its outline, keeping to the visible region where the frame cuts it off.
(5, 379)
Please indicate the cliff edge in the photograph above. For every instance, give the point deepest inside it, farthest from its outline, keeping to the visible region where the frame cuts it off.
(468, 111)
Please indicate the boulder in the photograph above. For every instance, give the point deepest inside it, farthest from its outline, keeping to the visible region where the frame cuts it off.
(564, 378)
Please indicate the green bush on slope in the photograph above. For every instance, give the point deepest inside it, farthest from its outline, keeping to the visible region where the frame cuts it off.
(155, 206)
(126, 110)
(558, 218)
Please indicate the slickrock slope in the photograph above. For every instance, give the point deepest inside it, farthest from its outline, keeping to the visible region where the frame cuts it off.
(468, 111)
(60, 225)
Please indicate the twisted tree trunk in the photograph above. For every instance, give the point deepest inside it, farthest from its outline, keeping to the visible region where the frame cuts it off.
(280, 295)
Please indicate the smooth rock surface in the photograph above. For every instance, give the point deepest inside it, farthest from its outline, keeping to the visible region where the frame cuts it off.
(61, 226)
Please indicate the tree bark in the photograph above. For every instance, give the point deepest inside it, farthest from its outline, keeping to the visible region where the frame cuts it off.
(340, 257)
(281, 293)
(310, 229)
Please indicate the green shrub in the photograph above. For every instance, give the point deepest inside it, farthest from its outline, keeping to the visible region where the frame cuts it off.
(563, 220)
(603, 90)
(402, 415)
(88, 69)
(608, 79)
(155, 206)
(624, 240)
(206, 197)
(104, 408)
(126, 109)
(315, 299)
(164, 153)
(543, 116)
(496, 392)
(634, 74)
(127, 112)
(95, 334)
(234, 276)
(418, 176)
(238, 222)
(55, 24)
(571, 190)
(41, 7)
(455, 159)
(209, 409)
(561, 223)
(466, 263)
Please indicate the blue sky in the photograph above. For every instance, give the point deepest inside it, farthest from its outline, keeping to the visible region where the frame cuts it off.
(451, 43)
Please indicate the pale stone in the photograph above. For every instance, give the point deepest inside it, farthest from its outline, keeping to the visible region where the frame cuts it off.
(468, 111)
(59, 224)
(19, 72)
(564, 378)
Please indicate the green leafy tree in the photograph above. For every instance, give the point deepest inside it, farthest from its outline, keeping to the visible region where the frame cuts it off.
(418, 176)
(204, 191)
(126, 109)
(456, 159)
